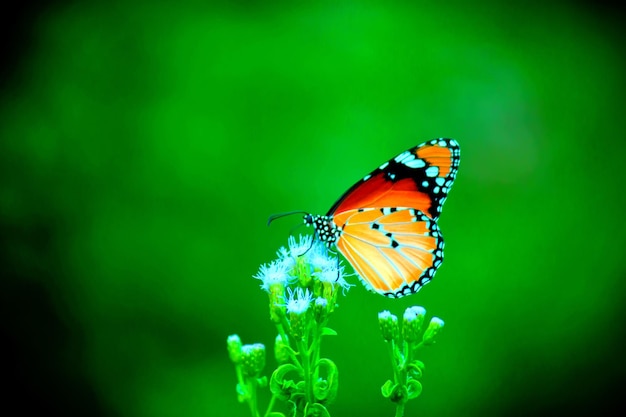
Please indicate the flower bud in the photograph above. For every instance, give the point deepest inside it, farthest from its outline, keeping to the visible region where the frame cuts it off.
(321, 309)
(388, 325)
(281, 350)
(277, 302)
(253, 359)
(297, 321)
(434, 327)
(233, 345)
(412, 323)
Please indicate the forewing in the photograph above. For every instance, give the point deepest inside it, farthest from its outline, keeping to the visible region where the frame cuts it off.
(419, 178)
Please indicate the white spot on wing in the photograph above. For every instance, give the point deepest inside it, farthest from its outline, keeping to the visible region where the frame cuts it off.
(415, 163)
(432, 171)
(402, 156)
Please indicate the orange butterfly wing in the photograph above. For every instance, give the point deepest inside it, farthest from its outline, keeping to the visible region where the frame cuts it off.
(419, 178)
(394, 251)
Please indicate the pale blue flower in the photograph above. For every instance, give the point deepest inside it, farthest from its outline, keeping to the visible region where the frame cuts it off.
(276, 272)
(298, 301)
(299, 248)
(333, 274)
(319, 257)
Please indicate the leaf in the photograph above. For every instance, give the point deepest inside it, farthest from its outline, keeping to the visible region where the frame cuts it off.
(284, 388)
(327, 331)
(388, 388)
(325, 390)
(316, 410)
(414, 388)
(414, 369)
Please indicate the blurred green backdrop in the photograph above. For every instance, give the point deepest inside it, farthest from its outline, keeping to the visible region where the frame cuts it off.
(144, 145)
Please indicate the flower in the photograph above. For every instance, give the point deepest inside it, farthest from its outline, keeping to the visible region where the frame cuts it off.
(297, 249)
(321, 302)
(333, 274)
(285, 257)
(319, 258)
(276, 272)
(298, 301)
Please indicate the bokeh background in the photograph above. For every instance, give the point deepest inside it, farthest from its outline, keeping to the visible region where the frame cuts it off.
(144, 144)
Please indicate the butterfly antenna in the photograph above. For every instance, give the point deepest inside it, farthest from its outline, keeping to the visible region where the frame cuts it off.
(279, 215)
(295, 227)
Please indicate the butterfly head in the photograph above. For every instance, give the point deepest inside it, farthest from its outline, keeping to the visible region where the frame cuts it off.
(325, 228)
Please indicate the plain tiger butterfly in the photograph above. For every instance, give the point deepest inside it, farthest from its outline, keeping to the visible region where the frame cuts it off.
(385, 225)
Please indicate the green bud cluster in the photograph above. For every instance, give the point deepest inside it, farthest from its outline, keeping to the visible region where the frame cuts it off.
(403, 344)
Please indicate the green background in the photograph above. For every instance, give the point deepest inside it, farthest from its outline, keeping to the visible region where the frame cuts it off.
(144, 145)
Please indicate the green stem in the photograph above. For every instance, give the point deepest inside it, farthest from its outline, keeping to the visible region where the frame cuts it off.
(316, 348)
(399, 410)
(391, 346)
(270, 405)
(418, 346)
(403, 375)
(281, 331)
(306, 367)
(252, 397)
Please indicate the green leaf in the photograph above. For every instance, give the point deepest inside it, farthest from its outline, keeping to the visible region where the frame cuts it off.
(414, 369)
(388, 388)
(316, 410)
(396, 393)
(414, 388)
(325, 390)
(284, 388)
(275, 414)
(327, 331)
(284, 369)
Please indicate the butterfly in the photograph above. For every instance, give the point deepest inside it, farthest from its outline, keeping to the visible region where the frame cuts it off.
(385, 225)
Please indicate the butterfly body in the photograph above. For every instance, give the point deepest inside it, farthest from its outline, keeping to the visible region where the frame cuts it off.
(386, 224)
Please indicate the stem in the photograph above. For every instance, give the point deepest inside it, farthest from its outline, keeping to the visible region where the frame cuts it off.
(306, 365)
(391, 347)
(315, 348)
(399, 410)
(270, 405)
(252, 397)
(281, 331)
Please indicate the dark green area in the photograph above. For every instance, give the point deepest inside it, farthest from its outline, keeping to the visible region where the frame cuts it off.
(144, 146)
